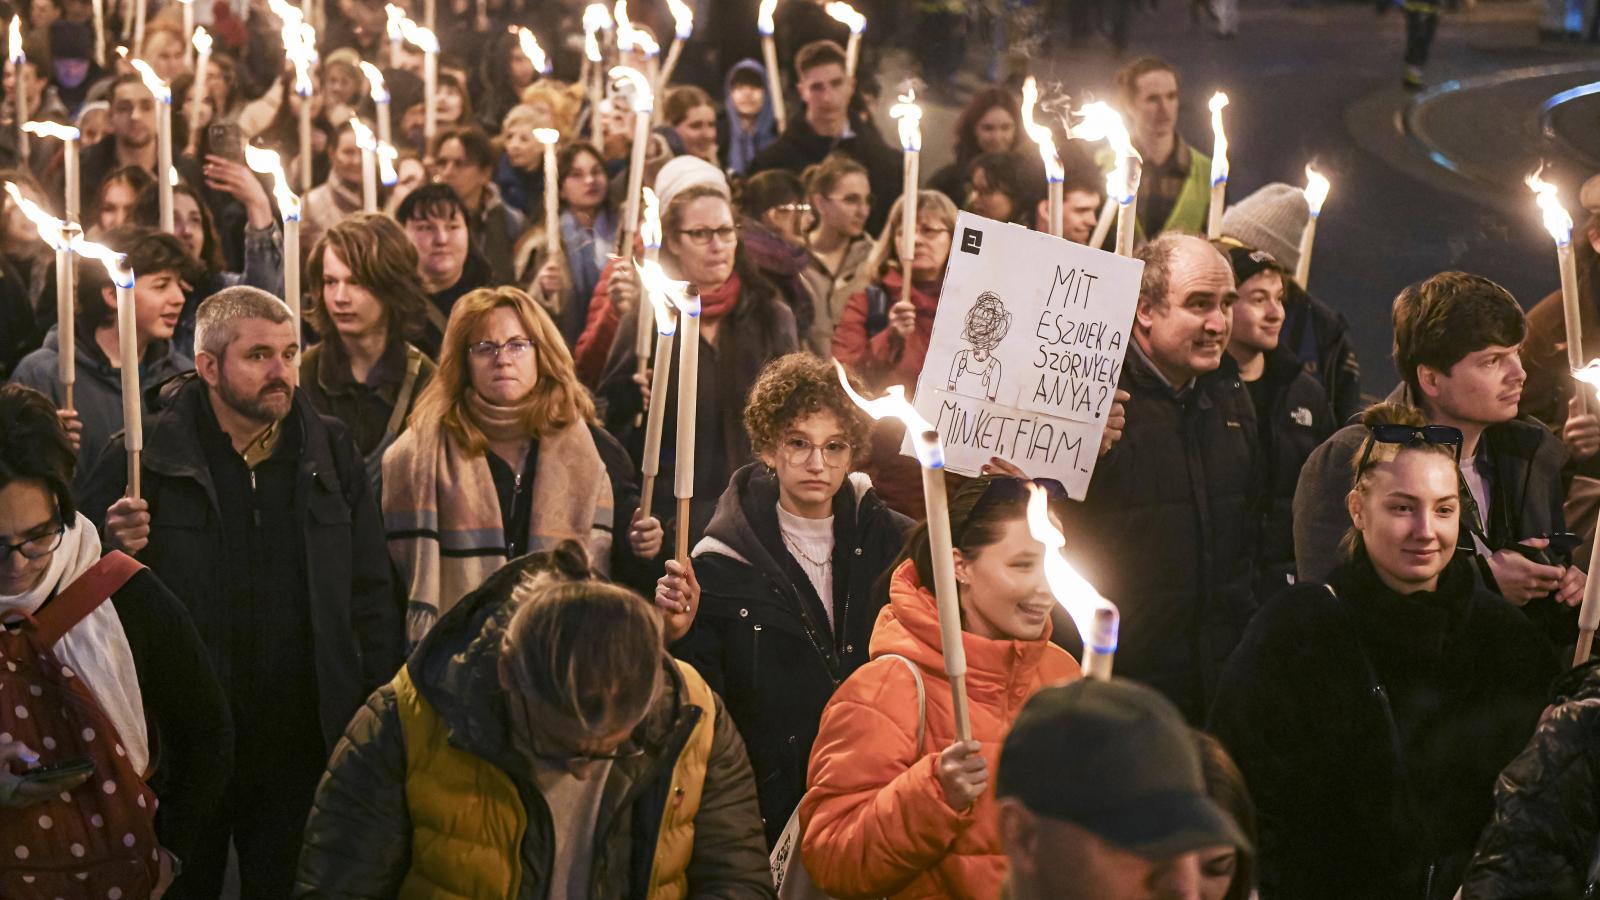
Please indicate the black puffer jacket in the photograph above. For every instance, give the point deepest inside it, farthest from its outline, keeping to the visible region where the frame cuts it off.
(761, 638)
(1183, 486)
(1302, 709)
(1293, 417)
(1319, 337)
(1545, 834)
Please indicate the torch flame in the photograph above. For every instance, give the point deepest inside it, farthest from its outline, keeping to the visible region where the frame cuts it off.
(847, 15)
(52, 230)
(365, 139)
(534, 52)
(664, 293)
(546, 135)
(1099, 122)
(764, 17)
(386, 157)
(1040, 134)
(1316, 190)
(201, 40)
(152, 81)
(265, 162)
(1589, 374)
(394, 14)
(630, 38)
(414, 34)
(682, 18)
(909, 115)
(1076, 595)
(52, 130)
(1219, 148)
(116, 263)
(375, 83)
(14, 41)
(1557, 220)
(631, 83)
(596, 18)
(172, 175)
(893, 404)
(650, 223)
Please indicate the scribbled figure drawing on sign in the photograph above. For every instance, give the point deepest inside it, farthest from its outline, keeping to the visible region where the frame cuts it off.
(976, 372)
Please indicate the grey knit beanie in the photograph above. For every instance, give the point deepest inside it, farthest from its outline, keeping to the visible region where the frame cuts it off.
(1271, 219)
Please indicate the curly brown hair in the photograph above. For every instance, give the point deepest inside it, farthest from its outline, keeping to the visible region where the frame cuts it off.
(793, 387)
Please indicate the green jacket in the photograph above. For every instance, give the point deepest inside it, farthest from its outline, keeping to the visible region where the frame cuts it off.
(425, 796)
(1190, 213)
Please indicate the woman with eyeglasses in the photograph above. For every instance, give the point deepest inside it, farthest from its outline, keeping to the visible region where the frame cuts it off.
(500, 457)
(773, 216)
(887, 814)
(783, 582)
(540, 743)
(100, 659)
(841, 201)
(1371, 715)
(884, 338)
(744, 325)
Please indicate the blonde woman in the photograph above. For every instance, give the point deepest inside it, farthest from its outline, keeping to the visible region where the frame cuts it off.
(499, 458)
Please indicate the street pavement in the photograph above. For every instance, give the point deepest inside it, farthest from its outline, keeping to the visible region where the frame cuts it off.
(1422, 182)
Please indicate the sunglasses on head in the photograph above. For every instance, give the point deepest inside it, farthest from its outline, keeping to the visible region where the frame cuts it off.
(1410, 435)
(1005, 489)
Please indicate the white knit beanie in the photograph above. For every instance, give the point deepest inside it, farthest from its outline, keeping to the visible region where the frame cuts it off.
(1271, 219)
(684, 172)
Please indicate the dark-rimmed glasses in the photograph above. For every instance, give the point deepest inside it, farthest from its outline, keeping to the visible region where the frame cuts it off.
(35, 547)
(1406, 435)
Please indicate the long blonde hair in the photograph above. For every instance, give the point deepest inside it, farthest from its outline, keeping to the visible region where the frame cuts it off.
(557, 401)
(886, 255)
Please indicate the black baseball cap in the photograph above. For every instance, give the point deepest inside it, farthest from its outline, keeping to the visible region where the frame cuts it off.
(1117, 759)
(1248, 262)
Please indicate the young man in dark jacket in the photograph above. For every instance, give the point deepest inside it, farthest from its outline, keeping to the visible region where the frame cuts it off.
(1181, 486)
(257, 513)
(539, 743)
(1292, 412)
(827, 127)
(1457, 342)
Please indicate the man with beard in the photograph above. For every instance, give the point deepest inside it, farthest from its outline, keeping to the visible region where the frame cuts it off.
(257, 513)
(1183, 480)
(132, 141)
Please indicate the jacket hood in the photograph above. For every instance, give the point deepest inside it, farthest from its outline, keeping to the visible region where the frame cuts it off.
(770, 252)
(766, 120)
(909, 626)
(161, 358)
(732, 532)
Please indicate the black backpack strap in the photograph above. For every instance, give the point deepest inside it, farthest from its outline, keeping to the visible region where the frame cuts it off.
(877, 309)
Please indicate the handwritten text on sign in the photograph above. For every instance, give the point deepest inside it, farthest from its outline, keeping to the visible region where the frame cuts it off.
(1026, 351)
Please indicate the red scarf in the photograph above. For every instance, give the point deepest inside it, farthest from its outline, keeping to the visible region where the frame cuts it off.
(717, 303)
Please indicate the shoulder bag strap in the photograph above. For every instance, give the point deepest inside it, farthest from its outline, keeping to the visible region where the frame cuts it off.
(84, 595)
(922, 696)
(402, 400)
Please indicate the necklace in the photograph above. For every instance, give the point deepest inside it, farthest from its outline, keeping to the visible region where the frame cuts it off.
(819, 563)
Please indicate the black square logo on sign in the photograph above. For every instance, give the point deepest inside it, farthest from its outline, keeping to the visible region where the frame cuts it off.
(971, 241)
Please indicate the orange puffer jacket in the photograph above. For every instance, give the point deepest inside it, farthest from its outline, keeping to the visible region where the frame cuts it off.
(874, 817)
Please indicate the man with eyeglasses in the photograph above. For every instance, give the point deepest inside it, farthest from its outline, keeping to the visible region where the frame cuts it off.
(132, 140)
(257, 513)
(540, 742)
(828, 127)
(1457, 344)
(1167, 528)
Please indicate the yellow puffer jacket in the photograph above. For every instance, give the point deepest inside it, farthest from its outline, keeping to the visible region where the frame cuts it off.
(468, 820)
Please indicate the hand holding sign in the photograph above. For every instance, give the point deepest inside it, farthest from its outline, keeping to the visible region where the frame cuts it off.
(1026, 352)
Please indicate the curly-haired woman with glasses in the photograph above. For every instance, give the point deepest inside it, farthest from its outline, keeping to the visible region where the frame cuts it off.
(1371, 715)
(500, 457)
(786, 573)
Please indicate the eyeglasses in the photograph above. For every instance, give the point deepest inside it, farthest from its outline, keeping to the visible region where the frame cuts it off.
(1409, 435)
(34, 548)
(489, 351)
(803, 208)
(1004, 489)
(701, 237)
(797, 452)
(931, 232)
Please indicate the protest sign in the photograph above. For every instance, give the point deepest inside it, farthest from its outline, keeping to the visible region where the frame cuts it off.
(1026, 350)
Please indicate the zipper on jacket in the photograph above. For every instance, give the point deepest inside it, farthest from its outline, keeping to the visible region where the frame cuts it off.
(255, 506)
(755, 657)
(516, 494)
(1427, 884)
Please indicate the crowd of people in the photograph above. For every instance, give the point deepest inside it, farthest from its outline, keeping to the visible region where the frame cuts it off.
(392, 612)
